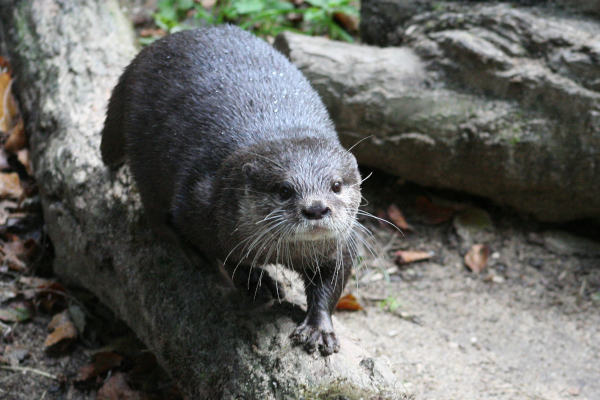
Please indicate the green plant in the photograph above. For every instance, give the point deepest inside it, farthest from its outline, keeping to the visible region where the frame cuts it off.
(263, 17)
(389, 304)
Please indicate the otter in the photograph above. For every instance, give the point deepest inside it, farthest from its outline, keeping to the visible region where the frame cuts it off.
(234, 153)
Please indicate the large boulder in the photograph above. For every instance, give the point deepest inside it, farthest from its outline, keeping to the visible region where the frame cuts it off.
(67, 56)
(494, 100)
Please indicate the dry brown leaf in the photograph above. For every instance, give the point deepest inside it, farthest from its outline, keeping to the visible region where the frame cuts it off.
(348, 22)
(397, 218)
(4, 64)
(63, 333)
(116, 388)
(16, 252)
(10, 252)
(409, 256)
(16, 138)
(10, 186)
(348, 303)
(434, 213)
(5, 95)
(35, 282)
(152, 32)
(8, 105)
(101, 363)
(47, 293)
(23, 157)
(477, 256)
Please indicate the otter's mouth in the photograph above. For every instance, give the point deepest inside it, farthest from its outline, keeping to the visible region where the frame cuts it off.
(315, 232)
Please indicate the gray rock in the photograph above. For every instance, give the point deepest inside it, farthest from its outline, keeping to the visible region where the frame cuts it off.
(67, 56)
(493, 100)
(473, 225)
(564, 243)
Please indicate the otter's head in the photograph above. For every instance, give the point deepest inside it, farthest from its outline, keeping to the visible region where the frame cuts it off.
(298, 191)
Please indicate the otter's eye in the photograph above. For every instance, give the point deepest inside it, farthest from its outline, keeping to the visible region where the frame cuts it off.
(336, 187)
(285, 191)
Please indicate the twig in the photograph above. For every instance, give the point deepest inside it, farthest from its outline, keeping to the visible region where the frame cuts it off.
(27, 369)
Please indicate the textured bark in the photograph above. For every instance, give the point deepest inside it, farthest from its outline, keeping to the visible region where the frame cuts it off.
(380, 19)
(493, 100)
(67, 56)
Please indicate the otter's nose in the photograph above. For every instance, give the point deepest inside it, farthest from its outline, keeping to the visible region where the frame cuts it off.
(316, 211)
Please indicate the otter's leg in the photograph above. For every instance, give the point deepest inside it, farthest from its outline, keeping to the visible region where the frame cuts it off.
(322, 294)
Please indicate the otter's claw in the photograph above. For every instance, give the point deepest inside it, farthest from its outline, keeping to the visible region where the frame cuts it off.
(311, 337)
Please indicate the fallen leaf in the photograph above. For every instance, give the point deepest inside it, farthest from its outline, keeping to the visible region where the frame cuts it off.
(152, 32)
(398, 218)
(477, 256)
(348, 22)
(8, 292)
(409, 256)
(4, 64)
(34, 281)
(63, 333)
(116, 388)
(14, 355)
(10, 185)
(6, 207)
(16, 252)
(8, 105)
(16, 138)
(434, 213)
(101, 363)
(51, 296)
(15, 312)
(23, 157)
(78, 317)
(348, 303)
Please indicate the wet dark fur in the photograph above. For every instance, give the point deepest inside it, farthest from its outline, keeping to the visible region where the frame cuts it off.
(214, 123)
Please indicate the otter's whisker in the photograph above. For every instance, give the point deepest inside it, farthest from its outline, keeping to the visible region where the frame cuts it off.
(367, 214)
(359, 142)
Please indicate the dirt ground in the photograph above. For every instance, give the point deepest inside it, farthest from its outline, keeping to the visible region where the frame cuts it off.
(526, 327)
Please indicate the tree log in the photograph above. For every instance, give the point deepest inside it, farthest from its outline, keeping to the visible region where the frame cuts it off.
(491, 100)
(67, 56)
(381, 21)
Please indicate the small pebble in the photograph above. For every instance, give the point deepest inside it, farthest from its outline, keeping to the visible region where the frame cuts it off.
(536, 263)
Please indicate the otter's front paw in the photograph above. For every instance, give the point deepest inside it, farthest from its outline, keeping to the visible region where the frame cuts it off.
(311, 337)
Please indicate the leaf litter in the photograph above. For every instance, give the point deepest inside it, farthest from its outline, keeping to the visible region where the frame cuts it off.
(348, 302)
(477, 257)
(27, 301)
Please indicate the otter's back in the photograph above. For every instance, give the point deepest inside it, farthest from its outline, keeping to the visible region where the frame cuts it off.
(192, 98)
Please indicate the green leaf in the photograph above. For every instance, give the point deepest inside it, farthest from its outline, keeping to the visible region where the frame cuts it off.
(185, 5)
(166, 10)
(15, 313)
(314, 14)
(248, 6)
(318, 3)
